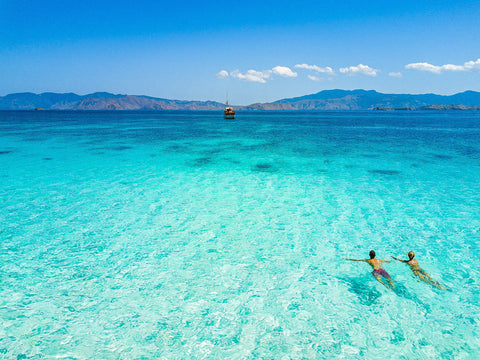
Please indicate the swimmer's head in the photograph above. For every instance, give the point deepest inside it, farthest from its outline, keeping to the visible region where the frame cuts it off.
(372, 254)
(411, 255)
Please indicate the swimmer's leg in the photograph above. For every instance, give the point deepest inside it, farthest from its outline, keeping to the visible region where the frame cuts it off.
(379, 279)
(424, 276)
(436, 284)
(390, 281)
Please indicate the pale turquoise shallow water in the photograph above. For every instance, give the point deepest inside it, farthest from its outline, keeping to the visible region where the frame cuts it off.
(186, 236)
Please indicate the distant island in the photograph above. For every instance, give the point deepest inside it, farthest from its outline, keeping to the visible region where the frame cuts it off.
(99, 101)
(431, 107)
(323, 100)
(449, 107)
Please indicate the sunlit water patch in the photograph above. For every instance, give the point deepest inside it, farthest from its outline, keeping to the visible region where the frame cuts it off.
(182, 235)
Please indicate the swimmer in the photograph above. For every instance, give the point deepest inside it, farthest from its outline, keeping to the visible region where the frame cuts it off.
(419, 272)
(378, 272)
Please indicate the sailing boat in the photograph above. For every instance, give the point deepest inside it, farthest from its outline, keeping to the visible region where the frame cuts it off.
(228, 113)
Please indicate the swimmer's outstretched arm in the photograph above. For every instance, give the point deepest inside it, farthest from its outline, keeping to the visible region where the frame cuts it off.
(355, 259)
(404, 261)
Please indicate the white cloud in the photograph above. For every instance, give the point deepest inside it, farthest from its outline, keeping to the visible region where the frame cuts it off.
(261, 76)
(252, 75)
(472, 65)
(436, 69)
(314, 78)
(222, 74)
(395, 74)
(424, 67)
(360, 69)
(284, 71)
(324, 70)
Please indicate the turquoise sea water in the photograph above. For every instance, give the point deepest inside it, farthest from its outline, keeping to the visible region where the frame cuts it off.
(186, 236)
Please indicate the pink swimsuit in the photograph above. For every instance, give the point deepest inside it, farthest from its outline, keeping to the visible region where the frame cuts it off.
(381, 272)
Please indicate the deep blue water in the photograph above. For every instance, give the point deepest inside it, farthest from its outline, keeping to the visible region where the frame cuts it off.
(184, 235)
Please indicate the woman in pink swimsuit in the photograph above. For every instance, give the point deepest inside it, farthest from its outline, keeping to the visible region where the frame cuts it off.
(378, 271)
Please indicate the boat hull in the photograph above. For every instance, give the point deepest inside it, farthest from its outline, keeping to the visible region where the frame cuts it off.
(229, 113)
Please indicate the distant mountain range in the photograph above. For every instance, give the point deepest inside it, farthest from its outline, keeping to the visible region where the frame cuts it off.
(99, 101)
(368, 100)
(324, 100)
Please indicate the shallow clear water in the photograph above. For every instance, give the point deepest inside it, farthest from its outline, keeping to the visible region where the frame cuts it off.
(184, 235)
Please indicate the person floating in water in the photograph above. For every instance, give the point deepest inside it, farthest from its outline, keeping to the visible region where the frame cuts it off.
(419, 272)
(378, 271)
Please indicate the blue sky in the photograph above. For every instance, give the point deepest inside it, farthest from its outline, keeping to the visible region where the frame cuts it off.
(256, 51)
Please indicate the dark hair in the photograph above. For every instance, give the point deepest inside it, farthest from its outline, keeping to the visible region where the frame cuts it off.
(372, 254)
